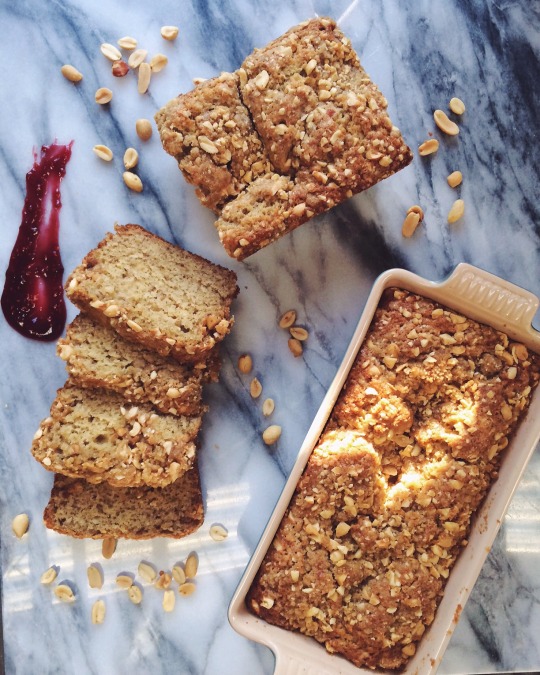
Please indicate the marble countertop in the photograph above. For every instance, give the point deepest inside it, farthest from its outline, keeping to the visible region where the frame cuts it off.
(420, 54)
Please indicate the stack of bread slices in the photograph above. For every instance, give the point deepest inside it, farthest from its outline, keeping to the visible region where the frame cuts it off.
(121, 437)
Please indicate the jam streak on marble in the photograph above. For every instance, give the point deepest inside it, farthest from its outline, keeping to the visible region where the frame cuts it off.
(33, 297)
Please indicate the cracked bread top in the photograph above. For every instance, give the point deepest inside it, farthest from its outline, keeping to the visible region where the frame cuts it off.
(92, 434)
(323, 128)
(156, 294)
(387, 498)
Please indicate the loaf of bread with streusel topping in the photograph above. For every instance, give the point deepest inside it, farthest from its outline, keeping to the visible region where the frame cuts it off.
(97, 357)
(386, 500)
(93, 434)
(86, 510)
(155, 294)
(296, 130)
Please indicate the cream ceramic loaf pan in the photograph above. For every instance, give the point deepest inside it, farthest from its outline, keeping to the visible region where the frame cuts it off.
(477, 295)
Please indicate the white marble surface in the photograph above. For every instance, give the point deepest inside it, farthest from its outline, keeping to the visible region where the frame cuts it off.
(421, 55)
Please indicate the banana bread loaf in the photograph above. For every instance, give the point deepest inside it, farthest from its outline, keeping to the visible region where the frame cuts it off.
(296, 130)
(385, 503)
(156, 294)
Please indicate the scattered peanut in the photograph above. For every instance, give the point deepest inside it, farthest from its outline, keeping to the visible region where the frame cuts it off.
(103, 95)
(187, 589)
(120, 69)
(191, 566)
(128, 43)
(457, 106)
(98, 612)
(163, 581)
(245, 363)
(410, 224)
(296, 347)
(268, 407)
(103, 152)
(455, 179)
(457, 210)
(64, 593)
(143, 127)
(48, 576)
(108, 547)
(124, 580)
(158, 62)
(416, 209)
(255, 388)
(136, 58)
(110, 52)
(445, 124)
(178, 574)
(218, 532)
(71, 73)
(131, 158)
(132, 181)
(135, 594)
(95, 576)
(287, 319)
(428, 147)
(145, 74)
(271, 434)
(299, 333)
(20, 525)
(147, 572)
(169, 32)
(169, 600)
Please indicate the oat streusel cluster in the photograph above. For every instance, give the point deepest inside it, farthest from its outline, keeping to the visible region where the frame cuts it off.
(385, 503)
(296, 130)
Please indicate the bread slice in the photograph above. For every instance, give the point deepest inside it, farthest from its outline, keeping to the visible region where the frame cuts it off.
(97, 357)
(156, 294)
(91, 434)
(84, 510)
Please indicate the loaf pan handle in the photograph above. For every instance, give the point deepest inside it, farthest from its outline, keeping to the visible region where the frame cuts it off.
(498, 298)
(291, 662)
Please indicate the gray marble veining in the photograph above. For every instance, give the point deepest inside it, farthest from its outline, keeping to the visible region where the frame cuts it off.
(420, 54)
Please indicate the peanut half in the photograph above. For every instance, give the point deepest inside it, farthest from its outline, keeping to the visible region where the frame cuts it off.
(457, 210)
(296, 347)
(446, 125)
(287, 319)
(103, 152)
(218, 532)
(192, 565)
(410, 224)
(132, 181)
(131, 158)
(135, 594)
(457, 106)
(416, 209)
(128, 43)
(158, 62)
(110, 52)
(245, 364)
(136, 58)
(169, 32)
(271, 434)
(299, 333)
(103, 95)
(428, 147)
(255, 388)
(98, 612)
(268, 407)
(20, 525)
(71, 73)
(455, 179)
(145, 74)
(143, 127)
(108, 547)
(95, 576)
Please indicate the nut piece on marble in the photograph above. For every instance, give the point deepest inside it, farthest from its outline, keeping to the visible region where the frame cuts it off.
(218, 532)
(71, 73)
(20, 525)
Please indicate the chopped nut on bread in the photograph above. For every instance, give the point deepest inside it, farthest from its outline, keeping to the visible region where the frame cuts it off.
(385, 502)
(92, 434)
(296, 130)
(97, 357)
(156, 294)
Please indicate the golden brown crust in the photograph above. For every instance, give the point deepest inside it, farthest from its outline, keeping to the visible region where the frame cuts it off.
(323, 128)
(92, 434)
(84, 510)
(417, 431)
(156, 294)
(97, 357)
